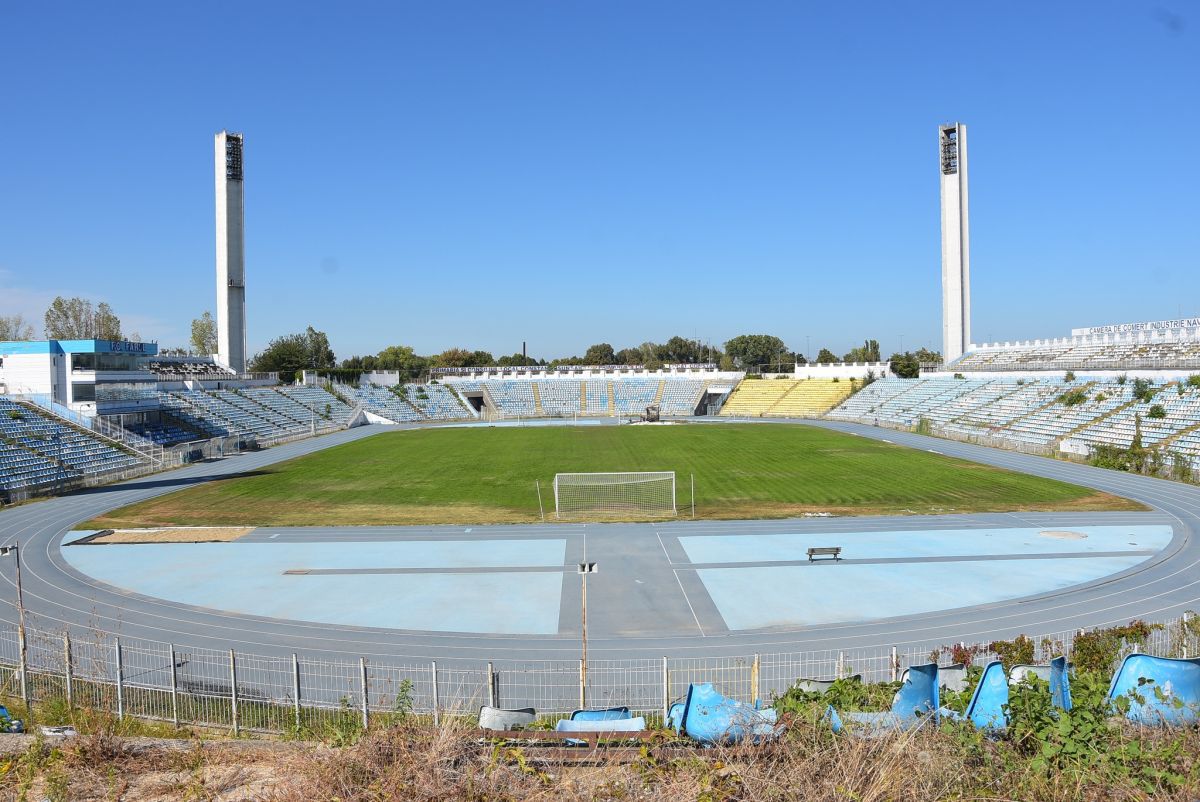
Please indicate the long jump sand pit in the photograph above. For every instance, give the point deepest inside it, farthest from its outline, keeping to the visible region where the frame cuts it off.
(171, 534)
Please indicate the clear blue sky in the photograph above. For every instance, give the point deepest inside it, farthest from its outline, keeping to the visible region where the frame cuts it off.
(477, 174)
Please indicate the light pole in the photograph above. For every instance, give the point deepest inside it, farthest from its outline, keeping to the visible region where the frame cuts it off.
(15, 551)
(583, 569)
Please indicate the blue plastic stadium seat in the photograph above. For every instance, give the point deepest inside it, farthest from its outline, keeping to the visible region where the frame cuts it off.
(1161, 691)
(915, 702)
(711, 718)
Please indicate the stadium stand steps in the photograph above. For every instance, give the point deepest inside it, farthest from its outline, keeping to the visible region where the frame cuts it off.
(537, 400)
(1111, 414)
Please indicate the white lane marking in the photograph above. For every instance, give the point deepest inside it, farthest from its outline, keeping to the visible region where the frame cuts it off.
(678, 581)
(274, 536)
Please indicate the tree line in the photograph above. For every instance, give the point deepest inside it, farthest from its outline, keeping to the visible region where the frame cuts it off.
(79, 318)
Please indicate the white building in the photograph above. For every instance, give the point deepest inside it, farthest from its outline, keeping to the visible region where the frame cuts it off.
(90, 377)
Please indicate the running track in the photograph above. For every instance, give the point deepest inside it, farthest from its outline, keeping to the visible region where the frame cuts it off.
(58, 597)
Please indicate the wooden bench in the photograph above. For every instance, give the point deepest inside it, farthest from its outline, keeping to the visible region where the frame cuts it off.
(832, 552)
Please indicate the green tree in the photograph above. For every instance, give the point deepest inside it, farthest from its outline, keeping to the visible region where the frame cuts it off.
(204, 334)
(925, 356)
(401, 358)
(290, 354)
(868, 352)
(600, 354)
(15, 327)
(750, 351)
(825, 357)
(628, 356)
(516, 361)
(905, 365)
(78, 319)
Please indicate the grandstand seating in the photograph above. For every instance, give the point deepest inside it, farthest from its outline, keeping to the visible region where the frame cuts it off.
(38, 450)
(1067, 354)
(262, 412)
(1036, 411)
(786, 397)
(632, 396)
(557, 397)
(185, 368)
(682, 396)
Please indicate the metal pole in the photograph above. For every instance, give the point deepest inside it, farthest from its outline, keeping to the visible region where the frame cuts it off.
(174, 689)
(693, 495)
(437, 718)
(67, 670)
(541, 511)
(754, 681)
(895, 665)
(22, 644)
(233, 706)
(491, 686)
(362, 676)
(120, 683)
(841, 664)
(584, 657)
(296, 688)
(666, 689)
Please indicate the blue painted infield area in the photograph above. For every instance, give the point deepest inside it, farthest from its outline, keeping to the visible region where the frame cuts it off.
(248, 578)
(939, 543)
(751, 598)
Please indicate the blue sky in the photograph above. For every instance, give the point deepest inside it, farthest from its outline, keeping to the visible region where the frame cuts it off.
(478, 174)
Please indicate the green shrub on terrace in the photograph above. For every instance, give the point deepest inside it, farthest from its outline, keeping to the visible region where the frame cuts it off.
(1072, 398)
(1157, 411)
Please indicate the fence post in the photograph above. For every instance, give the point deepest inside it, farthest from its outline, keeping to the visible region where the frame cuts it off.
(296, 688)
(895, 665)
(841, 665)
(21, 647)
(174, 688)
(754, 668)
(120, 683)
(233, 707)
(582, 685)
(666, 689)
(362, 676)
(67, 669)
(437, 716)
(491, 686)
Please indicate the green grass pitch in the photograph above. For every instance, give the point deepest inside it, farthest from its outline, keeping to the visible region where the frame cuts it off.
(487, 475)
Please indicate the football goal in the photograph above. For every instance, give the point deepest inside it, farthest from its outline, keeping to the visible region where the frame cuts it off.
(583, 494)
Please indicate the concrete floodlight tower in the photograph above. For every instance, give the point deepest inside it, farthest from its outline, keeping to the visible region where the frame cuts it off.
(231, 252)
(956, 241)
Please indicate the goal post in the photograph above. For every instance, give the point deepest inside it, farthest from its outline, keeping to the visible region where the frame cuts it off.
(615, 494)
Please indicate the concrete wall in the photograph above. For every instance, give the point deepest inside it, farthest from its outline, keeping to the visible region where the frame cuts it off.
(843, 370)
(32, 374)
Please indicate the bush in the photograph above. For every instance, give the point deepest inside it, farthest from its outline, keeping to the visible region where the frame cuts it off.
(1142, 390)
(1193, 380)
(1122, 379)
(1072, 398)
(1098, 650)
(1156, 411)
(1018, 651)
(1070, 376)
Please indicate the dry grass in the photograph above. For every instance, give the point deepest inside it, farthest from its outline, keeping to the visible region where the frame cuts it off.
(416, 762)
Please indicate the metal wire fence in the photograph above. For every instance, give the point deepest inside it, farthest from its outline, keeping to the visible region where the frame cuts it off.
(282, 694)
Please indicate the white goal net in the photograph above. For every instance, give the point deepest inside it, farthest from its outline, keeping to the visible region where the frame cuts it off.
(583, 494)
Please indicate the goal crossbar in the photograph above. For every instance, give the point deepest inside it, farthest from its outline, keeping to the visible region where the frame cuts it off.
(615, 493)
